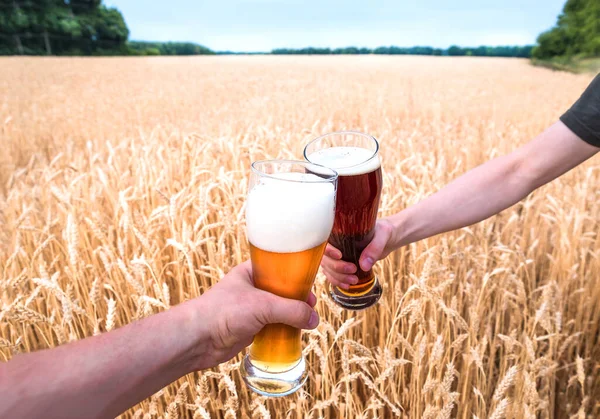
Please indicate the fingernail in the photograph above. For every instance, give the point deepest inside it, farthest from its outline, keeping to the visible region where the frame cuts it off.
(349, 269)
(344, 286)
(366, 264)
(314, 320)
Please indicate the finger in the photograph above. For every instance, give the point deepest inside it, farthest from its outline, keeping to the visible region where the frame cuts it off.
(244, 271)
(333, 275)
(312, 299)
(350, 279)
(291, 312)
(339, 266)
(340, 278)
(247, 342)
(332, 252)
(374, 250)
(337, 282)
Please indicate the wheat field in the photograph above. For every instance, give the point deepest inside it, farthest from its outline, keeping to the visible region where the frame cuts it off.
(105, 159)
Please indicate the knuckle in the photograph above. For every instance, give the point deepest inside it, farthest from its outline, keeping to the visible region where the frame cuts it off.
(326, 261)
(340, 266)
(295, 311)
(334, 275)
(386, 226)
(332, 279)
(266, 303)
(332, 252)
(338, 275)
(303, 312)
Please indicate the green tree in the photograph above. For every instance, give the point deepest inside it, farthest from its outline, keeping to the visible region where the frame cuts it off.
(577, 31)
(455, 51)
(168, 48)
(60, 27)
(501, 51)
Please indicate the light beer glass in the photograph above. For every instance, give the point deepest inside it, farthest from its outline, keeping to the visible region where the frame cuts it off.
(289, 216)
(354, 156)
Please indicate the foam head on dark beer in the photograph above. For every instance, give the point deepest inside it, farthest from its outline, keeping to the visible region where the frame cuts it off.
(346, 161)
(290, 212)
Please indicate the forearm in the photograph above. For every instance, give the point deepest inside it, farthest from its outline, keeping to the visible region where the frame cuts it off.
(493, 186)
(100, 376)
(473, 197)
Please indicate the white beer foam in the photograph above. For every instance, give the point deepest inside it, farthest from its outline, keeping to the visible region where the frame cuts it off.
(286, 217)
(347, 161)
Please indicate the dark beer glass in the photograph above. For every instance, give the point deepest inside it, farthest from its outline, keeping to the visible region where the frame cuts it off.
(354, 156)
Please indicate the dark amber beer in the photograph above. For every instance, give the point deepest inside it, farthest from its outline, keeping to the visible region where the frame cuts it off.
(354, 156)
(289, 216)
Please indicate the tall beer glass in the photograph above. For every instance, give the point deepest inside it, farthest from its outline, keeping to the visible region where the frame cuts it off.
(354, 156)
(289, 216)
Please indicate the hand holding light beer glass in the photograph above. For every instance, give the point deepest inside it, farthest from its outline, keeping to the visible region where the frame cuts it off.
(289, 216)
(354, 156)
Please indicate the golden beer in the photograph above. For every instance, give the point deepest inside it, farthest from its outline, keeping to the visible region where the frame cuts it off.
(278, 347)
(289, 216)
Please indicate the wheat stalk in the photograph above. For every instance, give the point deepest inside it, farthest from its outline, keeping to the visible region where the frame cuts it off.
(499, 319)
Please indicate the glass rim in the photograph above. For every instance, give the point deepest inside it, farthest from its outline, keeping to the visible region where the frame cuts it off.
(332, 175)
(336, 133)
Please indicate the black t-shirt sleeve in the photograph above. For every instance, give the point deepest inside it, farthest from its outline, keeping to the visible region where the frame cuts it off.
(584, 116)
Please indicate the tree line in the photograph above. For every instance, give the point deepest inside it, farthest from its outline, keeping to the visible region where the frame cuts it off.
(481, 51)
(167, 48)
(57, 27)
(87, 27)
(75, 27)
(576, 33)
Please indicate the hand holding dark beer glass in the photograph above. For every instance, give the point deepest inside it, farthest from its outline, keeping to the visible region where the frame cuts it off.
(355, 157)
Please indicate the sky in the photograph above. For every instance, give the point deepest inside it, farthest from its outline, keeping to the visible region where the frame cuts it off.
(262, 25)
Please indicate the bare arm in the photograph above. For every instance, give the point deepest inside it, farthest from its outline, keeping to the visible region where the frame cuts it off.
(104, 375)
(478, 194)
(100, 376)
(493, 186)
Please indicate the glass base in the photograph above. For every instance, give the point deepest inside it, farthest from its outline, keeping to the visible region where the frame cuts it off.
(273, 384)
(357, 302)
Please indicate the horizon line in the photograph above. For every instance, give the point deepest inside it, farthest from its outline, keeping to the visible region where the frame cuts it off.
(334, 48)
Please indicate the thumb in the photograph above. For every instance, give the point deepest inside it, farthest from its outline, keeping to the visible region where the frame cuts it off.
(291, 312)
(374, 251)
